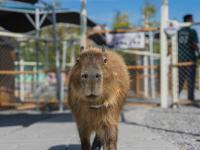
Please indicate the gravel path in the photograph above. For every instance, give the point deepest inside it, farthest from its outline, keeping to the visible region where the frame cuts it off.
(180, 126)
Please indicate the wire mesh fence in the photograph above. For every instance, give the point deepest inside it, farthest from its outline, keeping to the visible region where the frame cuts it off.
(7, 63)
(28, 69)
(185, 65)
(145, 75)
(28, 72)
(22, 69)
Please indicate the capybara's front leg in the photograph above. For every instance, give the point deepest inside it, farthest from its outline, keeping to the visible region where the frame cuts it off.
(110, 138)
(97, 143)
(85, 139)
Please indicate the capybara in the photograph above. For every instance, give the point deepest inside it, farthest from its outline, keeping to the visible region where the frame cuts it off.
(98, 86)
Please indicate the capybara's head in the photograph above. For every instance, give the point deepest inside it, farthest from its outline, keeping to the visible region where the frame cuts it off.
(91, 65)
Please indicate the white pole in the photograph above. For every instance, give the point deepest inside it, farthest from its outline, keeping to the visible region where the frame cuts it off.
(57, 54)
(146, 63)
(198, 69)
(83, 22)
(72, 53)
(164, 65)
(37, 26)
(21, 76)
(62, 88)
(146, 79)
(46, 55)
(175, 83)
(152, 63)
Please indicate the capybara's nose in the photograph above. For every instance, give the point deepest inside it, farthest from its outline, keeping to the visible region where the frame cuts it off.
(84, 76)
(91, 76)
(98, 76)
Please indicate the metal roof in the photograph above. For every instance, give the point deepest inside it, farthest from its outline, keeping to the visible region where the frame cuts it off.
(20, 17)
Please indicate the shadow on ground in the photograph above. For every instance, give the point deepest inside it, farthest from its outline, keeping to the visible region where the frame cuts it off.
(74, 147)
(58, 147)
(64, 147)
(26, 119)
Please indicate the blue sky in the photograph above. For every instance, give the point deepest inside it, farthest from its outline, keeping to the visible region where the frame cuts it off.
(103, 11)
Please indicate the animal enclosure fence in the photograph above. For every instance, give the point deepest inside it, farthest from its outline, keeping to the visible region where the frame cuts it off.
(27, 69)
(22, 69)
(185, 68)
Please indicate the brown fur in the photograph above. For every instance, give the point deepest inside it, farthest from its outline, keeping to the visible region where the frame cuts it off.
(103, 121)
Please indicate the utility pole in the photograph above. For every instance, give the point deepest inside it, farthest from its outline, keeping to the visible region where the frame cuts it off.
(164, 46)
(37, 27)
(83, 22)
(57, 57)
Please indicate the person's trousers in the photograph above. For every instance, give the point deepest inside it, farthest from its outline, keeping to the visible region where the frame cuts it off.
(187, 74)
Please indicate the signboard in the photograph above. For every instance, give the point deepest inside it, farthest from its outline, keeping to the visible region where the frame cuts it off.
(172, 28)
(126, 40)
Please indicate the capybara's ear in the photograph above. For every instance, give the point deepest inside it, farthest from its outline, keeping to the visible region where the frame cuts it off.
(103, 48)
(82, 48)
(105, 60)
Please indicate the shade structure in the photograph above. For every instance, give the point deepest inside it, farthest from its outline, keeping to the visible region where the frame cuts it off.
(18, 22)
(13, 16)
(28, 1)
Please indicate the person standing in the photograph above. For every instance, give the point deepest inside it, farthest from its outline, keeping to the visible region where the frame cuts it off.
(188, 51)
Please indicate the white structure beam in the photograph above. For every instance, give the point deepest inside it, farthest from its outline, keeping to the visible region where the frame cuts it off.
(83, 22)
(164, 46)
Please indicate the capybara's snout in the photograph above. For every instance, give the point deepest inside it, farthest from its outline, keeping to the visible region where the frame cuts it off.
(91, 81)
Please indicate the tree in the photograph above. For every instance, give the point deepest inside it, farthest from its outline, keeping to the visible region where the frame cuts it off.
(121, 21)
(149, 12)
(64, 32)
